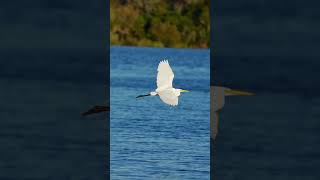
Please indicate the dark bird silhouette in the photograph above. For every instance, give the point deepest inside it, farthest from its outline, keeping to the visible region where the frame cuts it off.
(96, 109)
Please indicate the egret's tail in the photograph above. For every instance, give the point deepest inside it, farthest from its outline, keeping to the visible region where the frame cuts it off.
(140, 96)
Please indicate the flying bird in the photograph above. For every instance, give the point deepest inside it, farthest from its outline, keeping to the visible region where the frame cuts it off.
(165, 91)
(218, 94)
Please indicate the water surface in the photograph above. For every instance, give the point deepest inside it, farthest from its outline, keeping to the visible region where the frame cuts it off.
(149, 139)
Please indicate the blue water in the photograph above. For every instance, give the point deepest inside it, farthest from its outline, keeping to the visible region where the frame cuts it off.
(149, 139)
(272, 135)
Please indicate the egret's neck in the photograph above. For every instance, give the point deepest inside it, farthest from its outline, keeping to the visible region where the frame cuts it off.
(153, 93)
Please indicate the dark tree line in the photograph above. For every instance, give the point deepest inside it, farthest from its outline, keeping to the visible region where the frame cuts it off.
(160, 23)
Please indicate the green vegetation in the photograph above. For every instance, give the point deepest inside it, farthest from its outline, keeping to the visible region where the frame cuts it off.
(160, 23)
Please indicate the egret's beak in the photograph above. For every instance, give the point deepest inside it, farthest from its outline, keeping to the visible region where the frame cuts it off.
(184, 90)
(237, 93)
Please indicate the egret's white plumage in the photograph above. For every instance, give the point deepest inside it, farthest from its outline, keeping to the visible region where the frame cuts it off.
(168, 96)
(166, 92)
(165, 76)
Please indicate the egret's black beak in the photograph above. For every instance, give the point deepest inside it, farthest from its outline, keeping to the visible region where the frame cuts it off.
(140, 96)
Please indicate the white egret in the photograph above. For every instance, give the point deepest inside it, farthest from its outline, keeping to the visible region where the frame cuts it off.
(218, 94)
(165, 91)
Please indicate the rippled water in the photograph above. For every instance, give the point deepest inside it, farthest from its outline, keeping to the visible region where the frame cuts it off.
(149, 139)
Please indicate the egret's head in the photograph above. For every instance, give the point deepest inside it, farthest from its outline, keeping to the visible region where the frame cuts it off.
(232, 92)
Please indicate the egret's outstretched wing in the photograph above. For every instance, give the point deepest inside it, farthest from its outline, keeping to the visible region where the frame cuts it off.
(169, 97)
(165, 75)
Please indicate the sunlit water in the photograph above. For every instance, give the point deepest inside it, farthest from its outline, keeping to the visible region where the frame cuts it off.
(149, 139)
